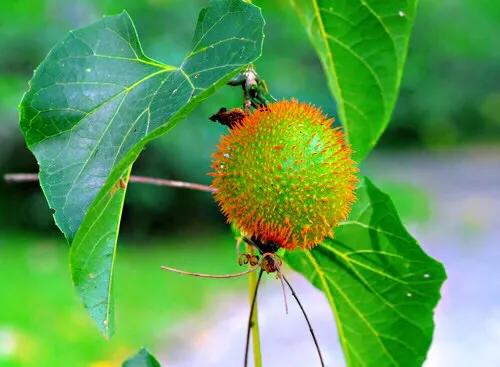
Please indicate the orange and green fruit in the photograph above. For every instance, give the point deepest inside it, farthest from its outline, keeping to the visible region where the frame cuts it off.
(284, 174)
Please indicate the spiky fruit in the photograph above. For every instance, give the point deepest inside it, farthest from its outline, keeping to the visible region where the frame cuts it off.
(285, 175)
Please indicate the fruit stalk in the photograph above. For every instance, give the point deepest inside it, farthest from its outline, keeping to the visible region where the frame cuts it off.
(252, 283)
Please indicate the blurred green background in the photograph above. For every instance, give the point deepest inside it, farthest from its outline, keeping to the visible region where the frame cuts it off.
(450, 99)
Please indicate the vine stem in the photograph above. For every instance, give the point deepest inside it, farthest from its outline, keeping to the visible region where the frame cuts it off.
(32, 177)
(252, 297)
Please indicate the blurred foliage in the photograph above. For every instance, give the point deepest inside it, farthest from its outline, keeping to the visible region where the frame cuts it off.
(46, 325)
(452, 76)
(450, 94)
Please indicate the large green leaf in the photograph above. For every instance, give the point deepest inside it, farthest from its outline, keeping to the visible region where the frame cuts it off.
(92, 106)
(381, 285)
(362, 45)
(142, 359)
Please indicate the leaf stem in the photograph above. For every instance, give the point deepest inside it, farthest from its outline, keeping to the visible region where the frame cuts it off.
(32, 177)
(254, 320)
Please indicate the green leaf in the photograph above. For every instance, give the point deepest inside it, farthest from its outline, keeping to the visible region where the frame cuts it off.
(142, 359)
(93, 252)
(380, 284)
(93, 105)
(96, 98)
(362, 45)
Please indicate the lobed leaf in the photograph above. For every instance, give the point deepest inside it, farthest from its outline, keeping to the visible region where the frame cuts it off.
(380, 284)
(362, 45)
(96, 101)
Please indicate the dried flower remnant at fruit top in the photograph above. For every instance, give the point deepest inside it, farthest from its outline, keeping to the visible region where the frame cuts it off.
(283, 174)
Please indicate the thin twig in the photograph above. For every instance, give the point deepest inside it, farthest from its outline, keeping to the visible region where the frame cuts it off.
(203, 275)
(307, 320)
(32, 177)
(280, 276)
(172, 183)
(252, 307)
(20, 177)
